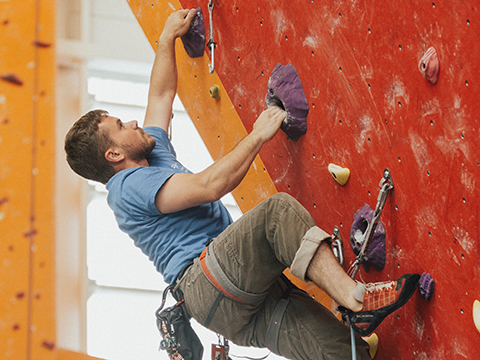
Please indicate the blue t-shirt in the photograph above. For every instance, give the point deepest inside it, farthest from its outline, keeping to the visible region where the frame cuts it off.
(170, 240)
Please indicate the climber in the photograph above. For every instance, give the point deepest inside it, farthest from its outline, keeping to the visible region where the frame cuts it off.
(228, 272)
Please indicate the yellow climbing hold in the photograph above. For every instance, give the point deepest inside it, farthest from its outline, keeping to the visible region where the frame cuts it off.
(372, 341)
(340, 174)
(215, 92)
(476, 314)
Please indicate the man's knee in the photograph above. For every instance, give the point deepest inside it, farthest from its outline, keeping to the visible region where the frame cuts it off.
(281, 196)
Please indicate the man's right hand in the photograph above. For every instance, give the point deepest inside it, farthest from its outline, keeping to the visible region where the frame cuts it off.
(269, 122)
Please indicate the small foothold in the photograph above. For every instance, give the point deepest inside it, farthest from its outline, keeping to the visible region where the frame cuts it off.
(427, 286)
(341, 175)
(476, 314)
(215, 92)
(429, 65)
(41, 44)
(376, 252)
(30, 233)
(372, 341)
(194, 40)
(48, 344)
(285, 90)
(12, 78)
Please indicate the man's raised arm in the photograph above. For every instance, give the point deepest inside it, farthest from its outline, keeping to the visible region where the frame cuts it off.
(183, 190)
(163, 80)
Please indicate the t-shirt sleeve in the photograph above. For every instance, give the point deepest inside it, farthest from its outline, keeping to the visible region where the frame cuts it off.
(140, 188)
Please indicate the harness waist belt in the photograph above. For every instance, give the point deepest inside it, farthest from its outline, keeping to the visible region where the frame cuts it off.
(217, 277)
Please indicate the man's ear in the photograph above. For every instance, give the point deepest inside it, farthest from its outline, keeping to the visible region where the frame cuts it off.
(114, 155)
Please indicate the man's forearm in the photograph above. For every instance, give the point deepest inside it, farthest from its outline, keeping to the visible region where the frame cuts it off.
(183, 190)
(226, 173)
(163, 81)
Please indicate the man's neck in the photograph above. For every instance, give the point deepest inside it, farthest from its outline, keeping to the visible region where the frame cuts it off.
(128, 164)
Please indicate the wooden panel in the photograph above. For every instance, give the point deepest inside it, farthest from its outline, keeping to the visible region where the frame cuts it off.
(27, 138)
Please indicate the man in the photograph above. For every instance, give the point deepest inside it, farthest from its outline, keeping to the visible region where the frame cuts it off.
(233, 285)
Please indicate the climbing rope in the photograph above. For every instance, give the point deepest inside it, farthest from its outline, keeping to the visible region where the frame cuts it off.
(352, 337)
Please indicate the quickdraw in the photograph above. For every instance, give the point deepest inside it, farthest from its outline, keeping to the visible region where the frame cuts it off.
(211, 44)
(386, 185)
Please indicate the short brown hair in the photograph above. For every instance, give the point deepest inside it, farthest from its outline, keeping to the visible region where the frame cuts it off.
(86, 144)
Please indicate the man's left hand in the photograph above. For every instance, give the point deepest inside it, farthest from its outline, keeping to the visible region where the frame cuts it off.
(178, 23)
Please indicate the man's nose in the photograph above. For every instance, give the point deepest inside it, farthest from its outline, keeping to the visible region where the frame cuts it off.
(133, 124)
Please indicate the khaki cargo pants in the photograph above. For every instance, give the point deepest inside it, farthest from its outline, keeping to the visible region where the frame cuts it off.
(253, 252)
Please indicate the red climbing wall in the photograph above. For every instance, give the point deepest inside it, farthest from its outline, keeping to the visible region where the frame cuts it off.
(370, 109)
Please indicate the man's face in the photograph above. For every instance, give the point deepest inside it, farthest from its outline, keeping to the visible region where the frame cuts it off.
(135, 143)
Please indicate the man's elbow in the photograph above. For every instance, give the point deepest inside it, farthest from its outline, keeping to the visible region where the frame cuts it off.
(214, 189)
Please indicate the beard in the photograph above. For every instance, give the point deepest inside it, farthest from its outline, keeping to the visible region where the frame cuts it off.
(140, 152)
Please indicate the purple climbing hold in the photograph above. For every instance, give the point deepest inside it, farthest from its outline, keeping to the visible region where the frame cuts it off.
(286, 91)
(194, 40)
(375, 255)
(427, 286)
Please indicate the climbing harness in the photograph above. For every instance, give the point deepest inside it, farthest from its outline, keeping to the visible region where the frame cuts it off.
(179, 339)
(217, 277)
(386, 184)
(220, 351)
(211, 44)
(273, 328)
